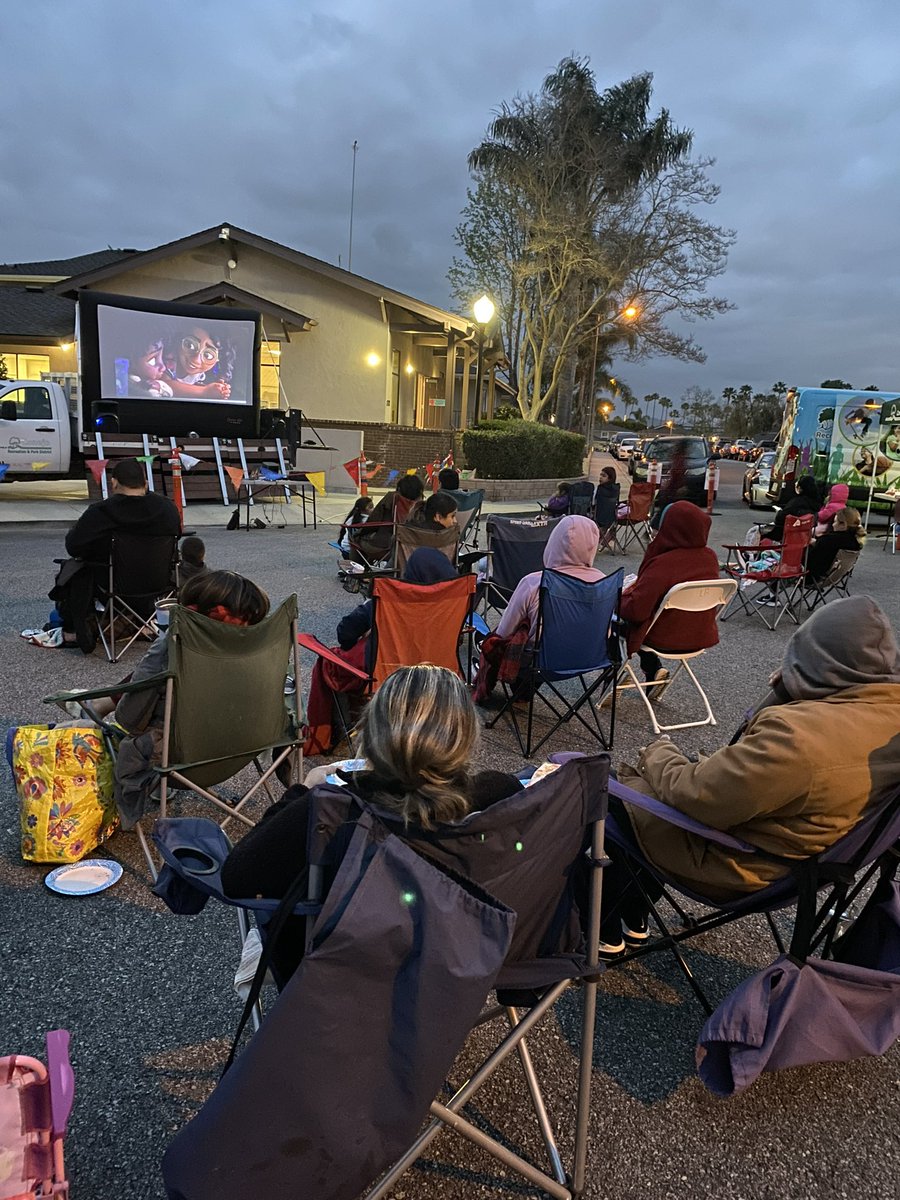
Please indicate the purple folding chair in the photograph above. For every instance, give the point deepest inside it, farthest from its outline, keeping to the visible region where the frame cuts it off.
(840, 873)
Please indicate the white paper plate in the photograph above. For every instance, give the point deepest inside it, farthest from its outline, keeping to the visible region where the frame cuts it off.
(84, 878)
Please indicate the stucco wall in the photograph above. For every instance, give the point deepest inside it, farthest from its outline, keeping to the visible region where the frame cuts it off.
(324, 371)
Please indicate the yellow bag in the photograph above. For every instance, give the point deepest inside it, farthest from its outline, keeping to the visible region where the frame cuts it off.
(64, 780)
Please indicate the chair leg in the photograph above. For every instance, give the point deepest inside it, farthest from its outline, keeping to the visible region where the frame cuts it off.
(537, 1100)
(142, 838)
(442, 1113)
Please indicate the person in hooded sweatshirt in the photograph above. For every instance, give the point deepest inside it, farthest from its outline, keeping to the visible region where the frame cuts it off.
(821, 747)
(571, 550)
(836, 502)
(804, 503)
(678, 554)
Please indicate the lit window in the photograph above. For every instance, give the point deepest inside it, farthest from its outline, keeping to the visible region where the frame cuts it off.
(269, 374)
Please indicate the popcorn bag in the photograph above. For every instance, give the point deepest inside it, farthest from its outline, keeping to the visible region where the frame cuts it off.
(64, 780)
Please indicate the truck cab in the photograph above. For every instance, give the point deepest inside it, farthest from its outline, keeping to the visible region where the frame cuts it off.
(35, 430)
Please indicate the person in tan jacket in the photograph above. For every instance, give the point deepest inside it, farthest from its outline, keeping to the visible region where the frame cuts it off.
(821, 747)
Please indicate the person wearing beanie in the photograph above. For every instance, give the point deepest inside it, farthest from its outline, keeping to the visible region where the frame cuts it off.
(822, 747)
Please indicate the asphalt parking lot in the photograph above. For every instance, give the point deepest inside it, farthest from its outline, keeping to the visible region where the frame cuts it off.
(147, 995)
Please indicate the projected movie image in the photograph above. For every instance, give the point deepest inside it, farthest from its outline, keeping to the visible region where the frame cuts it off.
(159, 356)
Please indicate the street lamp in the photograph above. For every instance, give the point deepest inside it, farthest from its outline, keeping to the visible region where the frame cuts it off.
(483, 309)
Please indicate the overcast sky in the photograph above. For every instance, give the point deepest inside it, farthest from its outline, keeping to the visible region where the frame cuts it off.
(131, 124)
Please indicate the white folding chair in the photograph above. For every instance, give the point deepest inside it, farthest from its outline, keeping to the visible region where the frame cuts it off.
(697, 596)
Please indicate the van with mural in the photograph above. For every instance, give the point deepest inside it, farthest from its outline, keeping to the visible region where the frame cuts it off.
(842, 437)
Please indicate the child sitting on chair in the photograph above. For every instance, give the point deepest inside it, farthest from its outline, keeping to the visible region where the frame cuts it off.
(192, 560)
(558, 505)
(358, 515)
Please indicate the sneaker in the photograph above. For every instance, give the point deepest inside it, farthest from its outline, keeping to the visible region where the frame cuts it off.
(611, 950)
(660, 683)
(290, 686)
(637, 934)
(768, 601)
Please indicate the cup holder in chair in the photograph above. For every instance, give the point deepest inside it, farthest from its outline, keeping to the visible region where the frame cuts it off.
(198, 862)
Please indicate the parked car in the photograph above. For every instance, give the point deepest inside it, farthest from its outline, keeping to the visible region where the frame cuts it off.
(662, 448)
(757, 480)
(636, 453)
(622, 447)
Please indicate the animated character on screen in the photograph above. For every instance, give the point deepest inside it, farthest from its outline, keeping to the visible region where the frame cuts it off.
(147, 370)
(199, 364)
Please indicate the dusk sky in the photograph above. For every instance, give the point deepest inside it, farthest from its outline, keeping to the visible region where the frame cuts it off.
(131, 124)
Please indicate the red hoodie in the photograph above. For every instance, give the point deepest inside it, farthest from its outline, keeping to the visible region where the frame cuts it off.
(678, 554)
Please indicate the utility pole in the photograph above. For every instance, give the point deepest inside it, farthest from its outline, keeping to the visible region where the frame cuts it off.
(352, 198)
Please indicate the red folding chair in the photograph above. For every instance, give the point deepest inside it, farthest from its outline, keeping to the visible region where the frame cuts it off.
(411, 624)
(770, 592)
(636, 526)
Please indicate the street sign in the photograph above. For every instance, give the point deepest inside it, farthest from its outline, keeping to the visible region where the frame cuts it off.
(890, 412)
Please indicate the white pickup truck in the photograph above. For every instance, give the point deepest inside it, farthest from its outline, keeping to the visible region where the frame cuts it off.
(39, 429)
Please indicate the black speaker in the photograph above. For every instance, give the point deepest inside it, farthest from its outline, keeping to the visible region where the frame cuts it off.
(105, 416)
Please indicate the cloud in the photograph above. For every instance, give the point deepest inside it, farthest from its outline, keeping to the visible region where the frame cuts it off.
(146, 121)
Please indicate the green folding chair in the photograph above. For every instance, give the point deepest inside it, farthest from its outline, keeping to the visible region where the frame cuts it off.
(224, 709)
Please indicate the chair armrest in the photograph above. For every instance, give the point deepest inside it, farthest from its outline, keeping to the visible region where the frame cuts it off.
(117, 688)
(309, 642)
(667, 813)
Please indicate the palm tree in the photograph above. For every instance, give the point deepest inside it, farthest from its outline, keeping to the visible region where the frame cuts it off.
(651, 401)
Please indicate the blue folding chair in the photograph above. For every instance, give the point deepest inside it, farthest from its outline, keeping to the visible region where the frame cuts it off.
(515, 548)
(574, 640)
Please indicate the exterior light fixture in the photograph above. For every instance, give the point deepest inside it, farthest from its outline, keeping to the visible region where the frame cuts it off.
(410, 368)
(483, 309)
(373, 359)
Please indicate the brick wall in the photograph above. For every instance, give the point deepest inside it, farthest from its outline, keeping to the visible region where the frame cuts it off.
(398, 447)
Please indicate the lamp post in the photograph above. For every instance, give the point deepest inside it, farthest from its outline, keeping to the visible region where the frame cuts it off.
(483, 309)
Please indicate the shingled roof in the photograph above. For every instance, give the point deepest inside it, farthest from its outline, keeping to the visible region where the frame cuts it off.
(32, 315)
(66, 267)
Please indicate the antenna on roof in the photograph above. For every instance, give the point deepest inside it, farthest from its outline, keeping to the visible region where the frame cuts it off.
(352, 198)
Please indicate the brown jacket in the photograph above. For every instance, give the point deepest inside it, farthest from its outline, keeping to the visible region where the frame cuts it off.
(796, 781)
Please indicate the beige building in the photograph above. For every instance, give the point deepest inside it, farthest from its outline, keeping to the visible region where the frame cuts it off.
(337, 346)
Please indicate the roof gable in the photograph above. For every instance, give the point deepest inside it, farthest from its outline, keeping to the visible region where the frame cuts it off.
(232, 233)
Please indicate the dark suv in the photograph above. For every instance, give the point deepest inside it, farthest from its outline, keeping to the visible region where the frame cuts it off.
(662, 449)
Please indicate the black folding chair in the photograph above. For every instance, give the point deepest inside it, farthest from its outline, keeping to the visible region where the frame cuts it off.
(515, 548)
(841, 872)
(835, 584)
(581, 497)
(574, 644)
(531, 852)
(142, 570)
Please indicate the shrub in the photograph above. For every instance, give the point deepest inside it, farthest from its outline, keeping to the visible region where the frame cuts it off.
(523, 450)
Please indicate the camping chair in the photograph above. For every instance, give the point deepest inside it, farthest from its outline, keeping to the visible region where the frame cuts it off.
(573, 640)
(370, 560)
(525, 852)
(412, 623)
(842, 872)
(605, 516)
(835, 583)
(35, 1103)
(468, 517)
(636, 526)
(408, 538)
(581, 497)
(782, 581)
(698, 596)
(515, 548)
(142, 570)
(224, 708)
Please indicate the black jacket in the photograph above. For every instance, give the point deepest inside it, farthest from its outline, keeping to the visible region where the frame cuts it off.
(150, 515)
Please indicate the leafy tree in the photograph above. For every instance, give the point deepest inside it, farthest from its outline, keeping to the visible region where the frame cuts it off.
(836, 383)
(873, 387)
(4, 372)
(585, 205)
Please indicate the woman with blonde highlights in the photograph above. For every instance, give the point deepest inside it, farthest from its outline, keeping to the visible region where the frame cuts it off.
(417, 738)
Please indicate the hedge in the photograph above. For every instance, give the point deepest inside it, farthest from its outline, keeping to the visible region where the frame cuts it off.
(522, 450)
